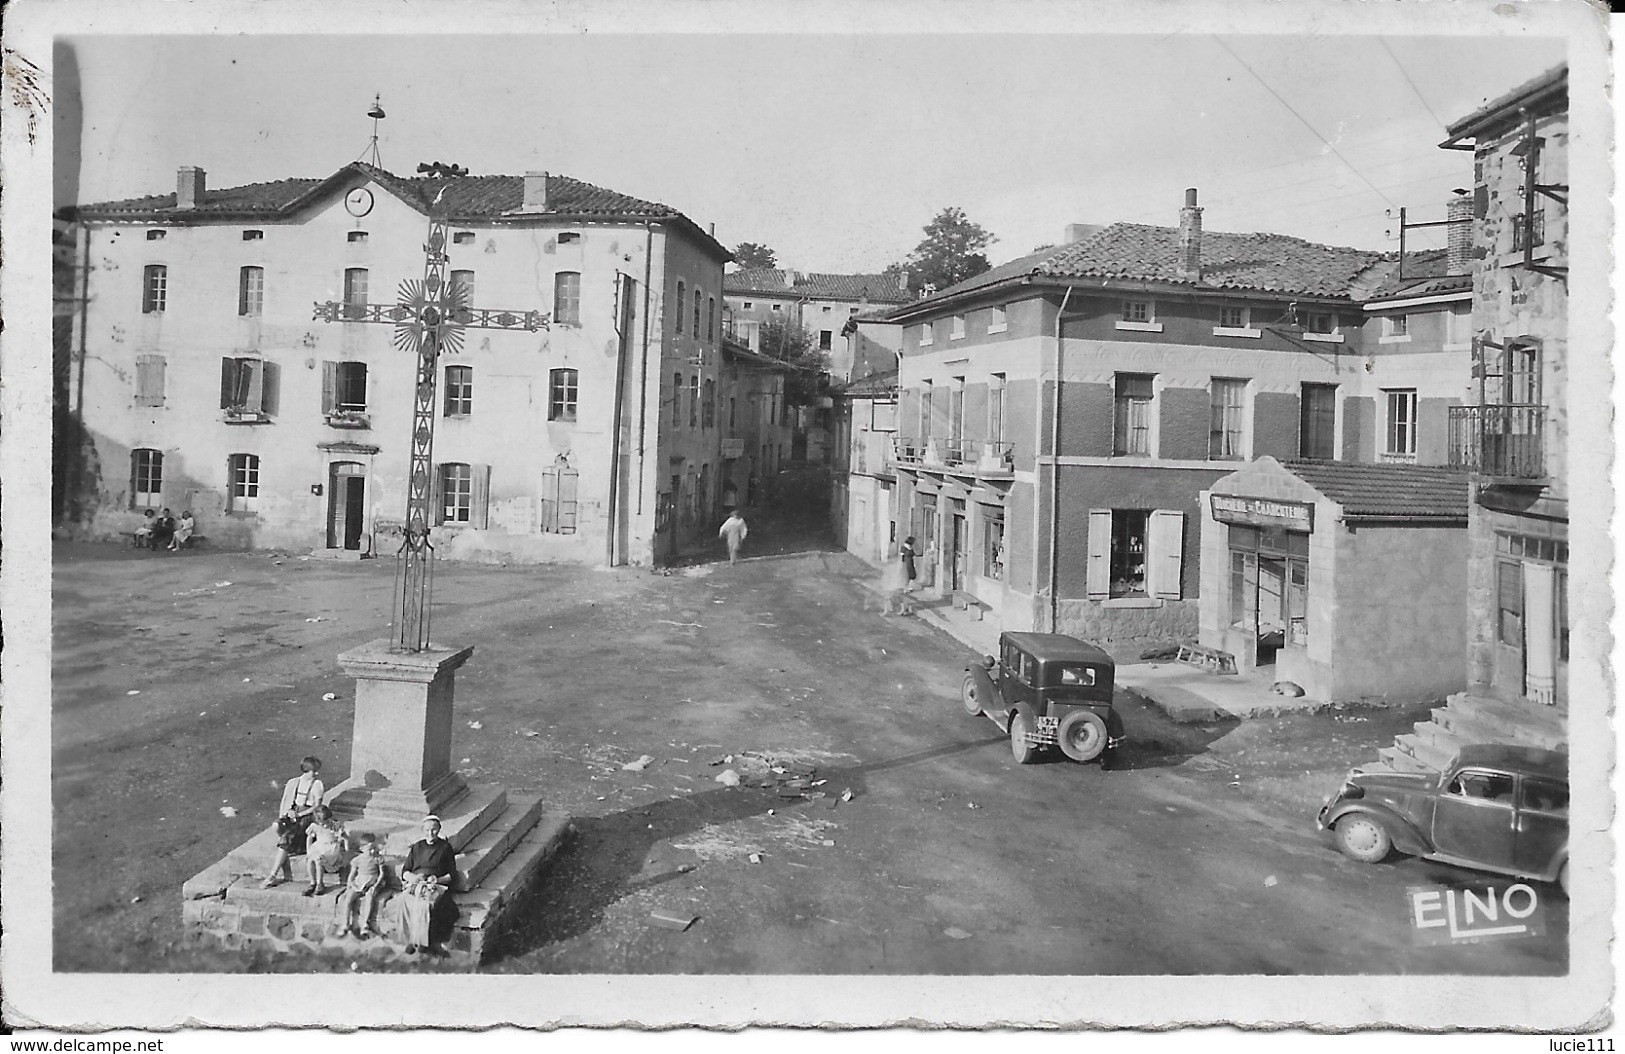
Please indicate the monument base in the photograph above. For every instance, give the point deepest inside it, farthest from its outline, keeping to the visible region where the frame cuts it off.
(502, 845)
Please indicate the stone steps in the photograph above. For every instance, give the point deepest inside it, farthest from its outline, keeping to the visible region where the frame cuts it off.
(486, 849)
(1467, 719)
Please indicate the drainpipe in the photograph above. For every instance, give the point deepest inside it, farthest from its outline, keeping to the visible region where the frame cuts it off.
(1055, 474)
(643, 376)
(622, 298)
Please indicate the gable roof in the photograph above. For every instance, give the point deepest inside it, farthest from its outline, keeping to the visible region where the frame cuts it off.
(465, 199)
(1383, 491)
(775, 281)
(1275, 264)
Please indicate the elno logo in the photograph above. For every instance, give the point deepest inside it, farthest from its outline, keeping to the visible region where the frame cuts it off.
(1444, 915)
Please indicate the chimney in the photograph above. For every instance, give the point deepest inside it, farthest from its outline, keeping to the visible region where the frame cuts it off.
(1190, 238)
(902, 281)
(1077, 232)
(189, 187)
(1459, 254)
(791, 277)
(535, 199)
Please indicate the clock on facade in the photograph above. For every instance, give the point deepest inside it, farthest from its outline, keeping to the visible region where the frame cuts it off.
(359, 201)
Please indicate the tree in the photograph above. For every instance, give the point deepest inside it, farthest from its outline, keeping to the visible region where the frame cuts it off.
(950, 252)
(752, 255)
(789, 341)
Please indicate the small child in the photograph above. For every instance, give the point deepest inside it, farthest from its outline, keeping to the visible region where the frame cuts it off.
(324, 850)
(365, 883)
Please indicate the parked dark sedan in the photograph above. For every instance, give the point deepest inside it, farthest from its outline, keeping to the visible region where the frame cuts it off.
(1047, 690)
(1495, 808)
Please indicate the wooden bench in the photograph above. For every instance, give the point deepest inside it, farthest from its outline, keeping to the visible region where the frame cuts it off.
(1207, 658)
(968, 602)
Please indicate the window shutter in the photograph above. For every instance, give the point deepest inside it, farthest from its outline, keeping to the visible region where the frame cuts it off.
(1097, 569)
(437, 494)
(480, 498)
(271, 394)
(228, 382)
(330, 385)
(550, 501)
(134, 455)
(567, 502)
(358, 386)
(1165, 546)
(254, 370)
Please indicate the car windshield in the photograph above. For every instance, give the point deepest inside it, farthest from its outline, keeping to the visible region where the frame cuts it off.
(1072, 675)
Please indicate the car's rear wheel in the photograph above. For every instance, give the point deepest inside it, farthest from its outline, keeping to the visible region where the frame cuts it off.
(1082, 735)
(1363, 838)
(967, 696)
(1024, 752)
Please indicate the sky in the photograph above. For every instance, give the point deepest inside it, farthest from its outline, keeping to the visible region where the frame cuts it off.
(833, 149)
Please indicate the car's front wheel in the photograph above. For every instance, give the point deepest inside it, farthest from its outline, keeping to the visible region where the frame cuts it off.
(967, 696)
(1024, 752)
(1363, 838)
(1082, 735)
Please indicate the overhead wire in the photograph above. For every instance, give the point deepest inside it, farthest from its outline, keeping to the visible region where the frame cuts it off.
(1305, 121)
(1417, 91)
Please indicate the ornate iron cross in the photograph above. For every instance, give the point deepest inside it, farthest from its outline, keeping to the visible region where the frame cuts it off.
(429, 316)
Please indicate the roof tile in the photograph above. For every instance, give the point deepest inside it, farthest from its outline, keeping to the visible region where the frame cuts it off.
(1367, 489)
(876, 288)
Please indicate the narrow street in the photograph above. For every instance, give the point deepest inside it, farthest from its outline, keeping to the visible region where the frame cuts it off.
(1181, 857)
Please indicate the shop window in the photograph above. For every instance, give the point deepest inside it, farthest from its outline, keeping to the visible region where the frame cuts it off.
(146, 478)
(993, 545)
(1132, 432)
(149, 380)
(243, 488)
(1135, 553)
(459, 391)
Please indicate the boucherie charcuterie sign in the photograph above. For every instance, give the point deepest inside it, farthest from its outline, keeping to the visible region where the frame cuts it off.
(1263, 512)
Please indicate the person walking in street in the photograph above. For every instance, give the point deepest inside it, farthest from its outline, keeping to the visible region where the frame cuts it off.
(907, 554)
(733, 532)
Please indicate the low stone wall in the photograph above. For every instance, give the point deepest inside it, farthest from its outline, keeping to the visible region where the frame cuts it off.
(1173, 619)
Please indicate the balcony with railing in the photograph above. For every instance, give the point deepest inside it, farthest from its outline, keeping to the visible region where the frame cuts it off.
(966, 457)
(1506, 441)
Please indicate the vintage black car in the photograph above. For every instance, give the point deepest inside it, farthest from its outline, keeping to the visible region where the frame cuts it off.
(1494, 808)
(1047, 690)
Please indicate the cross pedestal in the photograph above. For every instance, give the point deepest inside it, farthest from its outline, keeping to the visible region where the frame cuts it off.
(400, 754)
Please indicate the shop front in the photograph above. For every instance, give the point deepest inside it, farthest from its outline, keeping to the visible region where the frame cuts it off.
(1349, 580)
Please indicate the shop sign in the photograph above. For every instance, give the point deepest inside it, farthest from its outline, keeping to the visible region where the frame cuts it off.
(1263, 512)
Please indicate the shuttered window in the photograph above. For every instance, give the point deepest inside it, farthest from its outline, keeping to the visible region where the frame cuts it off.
(1165, 548)
(462, 494)
(243, 483)
(149, 380)
(251, 292)
(249, 385)
(559, 488)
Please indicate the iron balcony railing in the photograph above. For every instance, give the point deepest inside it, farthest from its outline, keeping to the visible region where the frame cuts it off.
(979, 456)
(1507, 440)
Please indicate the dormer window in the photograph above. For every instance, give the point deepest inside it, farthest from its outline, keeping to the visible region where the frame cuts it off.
(253, 236)
(355, 236)
(156, 236)
(462, 238)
